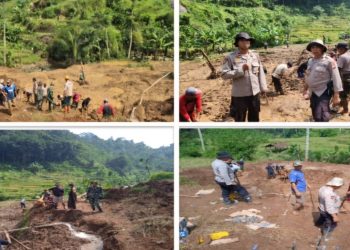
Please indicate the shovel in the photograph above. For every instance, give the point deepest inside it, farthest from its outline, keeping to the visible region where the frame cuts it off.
(315, 212)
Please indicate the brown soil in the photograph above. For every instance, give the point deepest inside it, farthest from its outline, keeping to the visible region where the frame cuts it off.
(121, 82)
(135, 218)
(291, 107)
(271, 197)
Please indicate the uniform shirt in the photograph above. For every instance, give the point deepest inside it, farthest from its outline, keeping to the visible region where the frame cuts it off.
(329, 201)
(280, 70)
(244, 83)
(298, 178)
(188, 107)
(344, 62)
(68, 88)
(320, 72)
(222, 172)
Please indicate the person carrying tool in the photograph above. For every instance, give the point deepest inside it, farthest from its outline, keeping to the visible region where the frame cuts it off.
(298, 185)
(191, 105)
(322, 82)
(94, 194)
(226, 178)
(329, 205)
(343, 63)
(278, 74)
(243, 67)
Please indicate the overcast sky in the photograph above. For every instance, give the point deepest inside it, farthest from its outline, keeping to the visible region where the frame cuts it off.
(153, 137)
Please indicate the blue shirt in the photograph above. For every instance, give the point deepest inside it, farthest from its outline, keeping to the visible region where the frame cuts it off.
(10, 91)
(298, 178)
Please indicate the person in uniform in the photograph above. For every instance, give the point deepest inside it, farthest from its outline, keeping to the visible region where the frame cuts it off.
(94, 194)
(344, 69)
(322, 82)
(225, 178)
(329, 205)
(277, 75)
(244, 68)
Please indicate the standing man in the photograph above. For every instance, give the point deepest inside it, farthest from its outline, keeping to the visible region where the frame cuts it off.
(50, 97)
(94, 194)
(298, 185)
(225, 178)
(58, 193)
(68, 93)
(278, 74)
(10, 90)
(344, 69)
(322, 81)
(329, 205)
(35, 91)
(191, 105)
(244, 68)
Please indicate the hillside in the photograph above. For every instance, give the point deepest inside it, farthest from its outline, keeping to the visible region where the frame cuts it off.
(34, 160)
(65, 32)
(211, 25)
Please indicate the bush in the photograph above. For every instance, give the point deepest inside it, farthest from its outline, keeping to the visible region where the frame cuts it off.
(162, 176)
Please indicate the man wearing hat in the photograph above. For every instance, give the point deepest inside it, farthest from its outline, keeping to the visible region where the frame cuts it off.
(9, 91)
(298, 185)
(323, 82)
(344, 69)
(277, 75)
(225, 178)
(244, 68)
(190, 105)
(329, 205)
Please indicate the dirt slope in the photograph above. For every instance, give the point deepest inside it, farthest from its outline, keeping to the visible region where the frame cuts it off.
(271, 198)
(121, 82)
(217, 93)
(137, 218)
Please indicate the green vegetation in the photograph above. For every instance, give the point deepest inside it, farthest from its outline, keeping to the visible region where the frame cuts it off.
(326, 145)
(211, 25)
(32, 161)
(66, 32)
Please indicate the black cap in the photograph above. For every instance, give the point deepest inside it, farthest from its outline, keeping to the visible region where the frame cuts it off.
(343, 45)
(243, 35)
(289, 64)
(223, 154)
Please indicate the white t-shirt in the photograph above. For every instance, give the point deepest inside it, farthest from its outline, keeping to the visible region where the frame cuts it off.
(279, 71)
(68, 88)
(44, 91)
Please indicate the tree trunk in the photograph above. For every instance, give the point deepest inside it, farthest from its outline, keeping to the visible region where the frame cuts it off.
(5, 63)
(130, 45)
(108, 54)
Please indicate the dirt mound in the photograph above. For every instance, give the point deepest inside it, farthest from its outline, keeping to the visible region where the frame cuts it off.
(272, 198)
(139, 217)
(121, 82)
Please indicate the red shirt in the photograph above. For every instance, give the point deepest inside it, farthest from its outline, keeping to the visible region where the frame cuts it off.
(102, 107)
(187, 107)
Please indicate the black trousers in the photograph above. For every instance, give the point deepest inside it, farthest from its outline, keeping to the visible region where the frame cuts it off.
(241, 107)
(278, 85)
(326, 222)
(321, 111)
(226, 190)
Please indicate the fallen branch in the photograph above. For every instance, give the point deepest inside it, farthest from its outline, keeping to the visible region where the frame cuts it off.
(19, 242)
(190, 196)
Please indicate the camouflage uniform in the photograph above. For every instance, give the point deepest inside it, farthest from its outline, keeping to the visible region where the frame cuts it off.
(94, 194)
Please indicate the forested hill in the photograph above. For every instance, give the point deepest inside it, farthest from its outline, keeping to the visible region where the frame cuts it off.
(52, 150)
(212, 24)
(65, 32)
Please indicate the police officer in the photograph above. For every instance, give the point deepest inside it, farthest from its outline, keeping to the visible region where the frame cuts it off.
(244, 68)
(278, 74)
(225, 178)
(344, 69)
(329, 205)
(322, 80)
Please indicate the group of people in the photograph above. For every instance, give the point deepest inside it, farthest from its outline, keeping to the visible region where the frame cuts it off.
(53, 197)
(43, 93)
(326, 78)
(226, 176)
